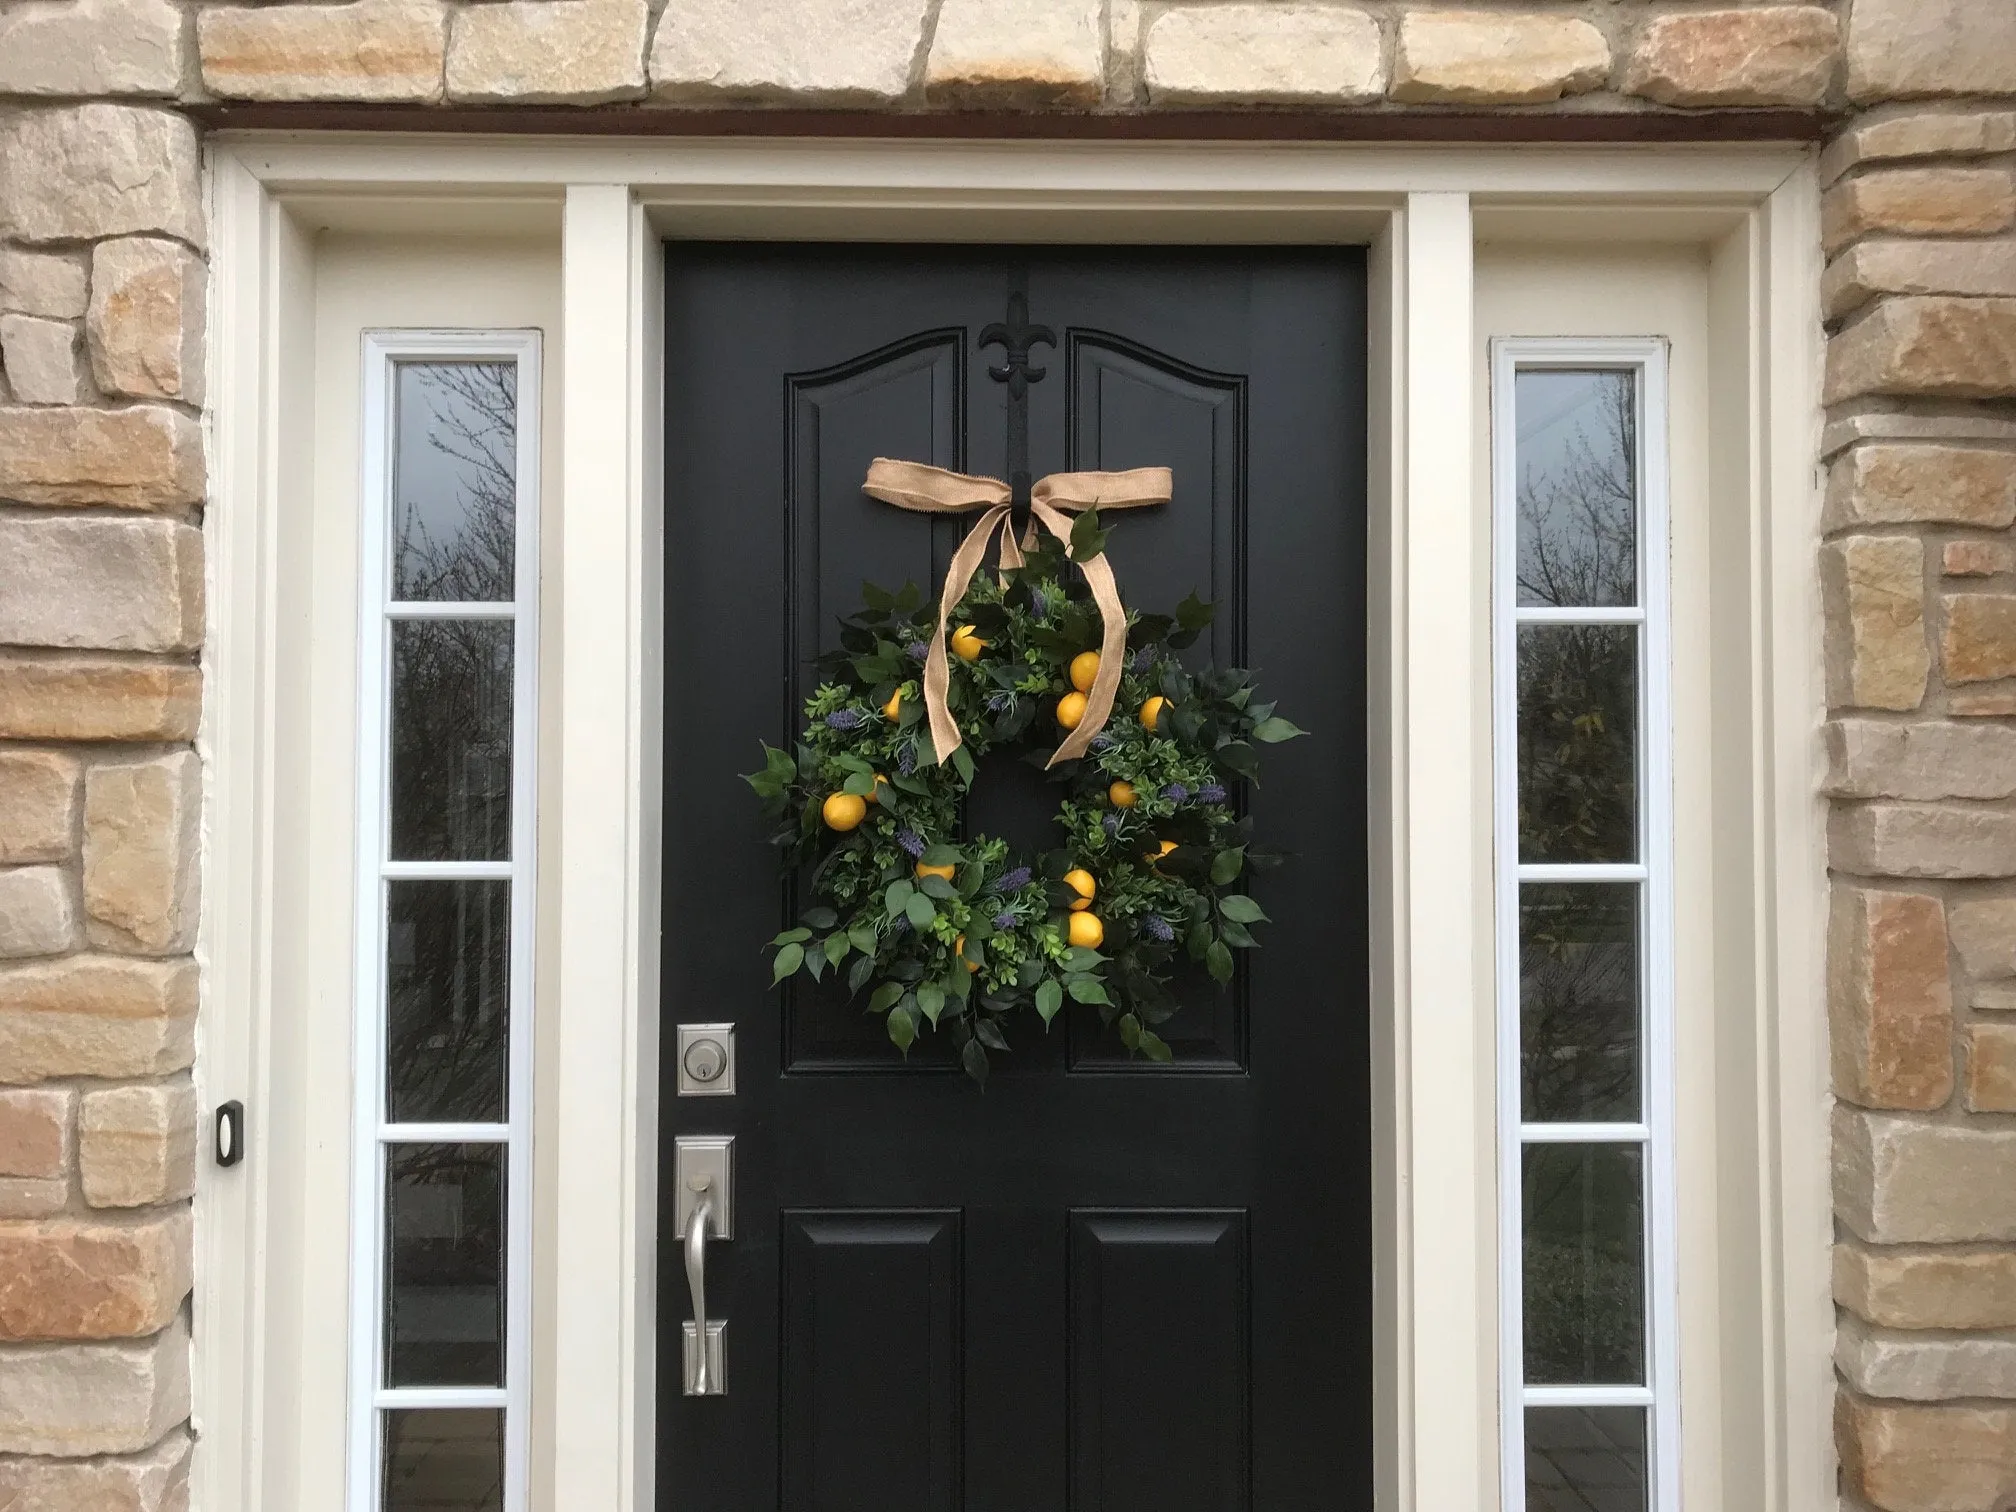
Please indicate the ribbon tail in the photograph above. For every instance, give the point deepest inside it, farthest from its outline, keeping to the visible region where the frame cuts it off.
(945, 737)
(1112, 642)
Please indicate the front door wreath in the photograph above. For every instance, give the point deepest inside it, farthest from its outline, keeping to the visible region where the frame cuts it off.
(957, 933)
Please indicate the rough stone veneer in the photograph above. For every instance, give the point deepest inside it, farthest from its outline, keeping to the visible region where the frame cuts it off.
(101, 585)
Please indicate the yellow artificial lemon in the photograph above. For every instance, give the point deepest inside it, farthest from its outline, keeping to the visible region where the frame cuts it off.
(894, 708)
(1070, 709)
(1084, 668)
(1159, 853)
(959, 950)
(1121, 795)
(1080, 881)
(966, 643)
(1151, 713)
(881, 783)
(1085, 929)
(947, 872)
(842, 811)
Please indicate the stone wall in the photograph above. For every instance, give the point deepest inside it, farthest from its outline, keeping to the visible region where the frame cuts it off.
(101, 582)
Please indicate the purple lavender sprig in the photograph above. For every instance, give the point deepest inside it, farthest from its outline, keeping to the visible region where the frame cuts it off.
(1004, 920)
(1010, 881)
(1157, 928)
(1176, 792)
(1211, 792)
(917, 651)
(911, 841)
(846, 719)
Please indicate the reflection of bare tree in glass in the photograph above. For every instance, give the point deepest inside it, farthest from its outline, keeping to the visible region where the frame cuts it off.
(444, 1305)
(1578, 1002)
(1578, 710)
(466, 554)
(448, 1001)
(1584, 1314)
(1578, 518)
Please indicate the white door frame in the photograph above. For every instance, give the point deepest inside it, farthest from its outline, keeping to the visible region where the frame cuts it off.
(1421, 211)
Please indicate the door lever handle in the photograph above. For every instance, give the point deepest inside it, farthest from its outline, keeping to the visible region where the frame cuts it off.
(703, 1211)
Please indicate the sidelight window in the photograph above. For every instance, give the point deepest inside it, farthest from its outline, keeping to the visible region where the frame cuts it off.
(1584, 906)
(441, 1237)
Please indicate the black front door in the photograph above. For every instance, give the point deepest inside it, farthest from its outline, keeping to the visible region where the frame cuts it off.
(1099, 1284)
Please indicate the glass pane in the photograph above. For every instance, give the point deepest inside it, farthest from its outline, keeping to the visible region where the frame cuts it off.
(448, 1004)
(444, 1284)
(1578, 1002)
(444, 1461)
(1584, 1207)
(451, 740)
(455, 481)
(1578, 707)
(1578, 487)
(1585, 1459)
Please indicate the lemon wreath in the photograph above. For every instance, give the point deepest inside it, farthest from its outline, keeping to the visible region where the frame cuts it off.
(961, 936)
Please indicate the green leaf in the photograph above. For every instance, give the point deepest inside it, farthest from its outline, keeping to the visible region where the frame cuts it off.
(1218, 961)
(1275, 729)
(1236, 936)
(1227, 864)
(884, 997)
(860, 784)
(1241, 909)
(1087, 990)
(936, 887)
(1130, 1031)
(877, 598)
(1049, 998)
(1081, 958)
(931, 999)
(815, 963)
(858, 974)
(897, 898)
(1087, 539)
(837, 946)
(789, 959)
(792, 937)
(962, 763)
(820, 917)
(990, 1034)
(1194, 613)
(974, 1059)
(903, 1026)
(920, 911)
(1150, 1044)
(941, 855)
(862, 937)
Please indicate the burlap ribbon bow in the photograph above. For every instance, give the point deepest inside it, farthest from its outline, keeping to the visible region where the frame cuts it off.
(934, 490)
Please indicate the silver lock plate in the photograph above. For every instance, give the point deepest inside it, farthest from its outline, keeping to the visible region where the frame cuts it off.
(706, 1060)
(703, 1161)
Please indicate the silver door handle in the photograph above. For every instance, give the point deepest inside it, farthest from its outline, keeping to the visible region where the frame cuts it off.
(698, 1380)
(705, 1205)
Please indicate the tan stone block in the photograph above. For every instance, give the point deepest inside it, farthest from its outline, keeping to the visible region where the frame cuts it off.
(1283, 53)
(41, 283)
(1873, 591)
(87, 1015)
(141, 843)
(1918, 202)
(38, 806)
(1900, 1458)
(1991, 1068)
(1901, 1181)
(1922, 134)
(373, 50)
(1496, 57)
(1977, 558)
(1901, 49)
(1892, 1007)
(1868, 758)
(38, 915)
(1979, 643)
(35, 1132)
(90, 47)
(1927, 1288)
(1912, 1367)
(101, 170)
(1877, 267)
(1936, 347)
(70, 1279)
(1767, 55)
(97, 698)
(136, 1146)
(1993, 999)
(40, 357)
(101, 584)
(145, 457)
(1017, 53)
(815, 52)
(576, 52)
(33, 1197)
(1982, 703)
(1984, 932)
(146, 315)
(154, 1481)
(1922, 840)
(1888, 483)
(73, 1400)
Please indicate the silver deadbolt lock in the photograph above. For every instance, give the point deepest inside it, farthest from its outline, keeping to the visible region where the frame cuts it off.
(706, 1060)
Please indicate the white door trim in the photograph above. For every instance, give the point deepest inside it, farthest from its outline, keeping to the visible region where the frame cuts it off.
(1421, 209)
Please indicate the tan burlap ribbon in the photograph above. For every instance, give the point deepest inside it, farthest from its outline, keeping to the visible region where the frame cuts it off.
(934, 490)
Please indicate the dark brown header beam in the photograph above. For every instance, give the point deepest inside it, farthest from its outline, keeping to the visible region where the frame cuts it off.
(1379, 125)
